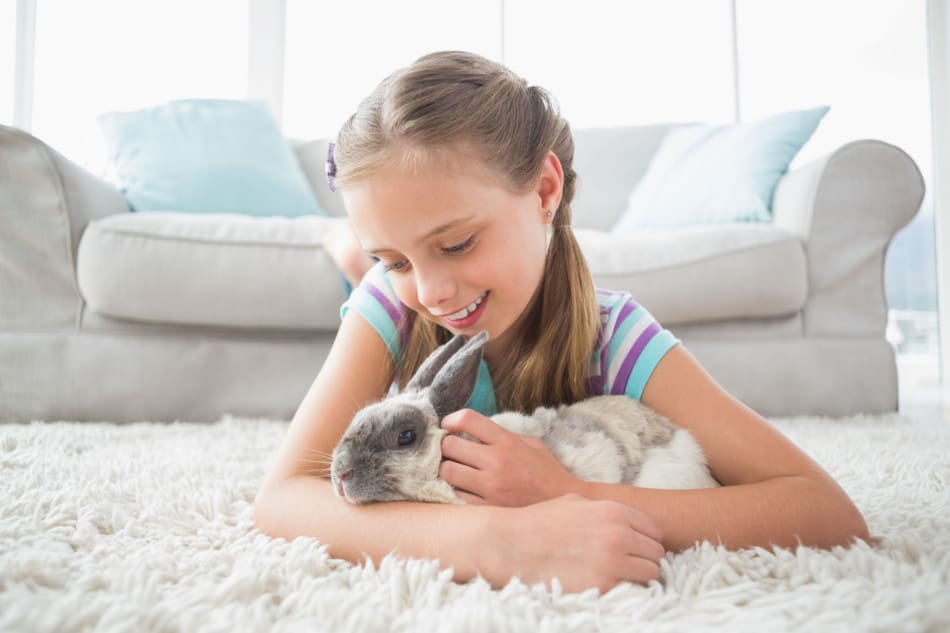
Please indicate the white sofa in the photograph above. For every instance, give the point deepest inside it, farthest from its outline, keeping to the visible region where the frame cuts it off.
(112, 315)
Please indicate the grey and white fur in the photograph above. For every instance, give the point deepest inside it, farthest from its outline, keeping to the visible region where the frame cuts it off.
(392, 449)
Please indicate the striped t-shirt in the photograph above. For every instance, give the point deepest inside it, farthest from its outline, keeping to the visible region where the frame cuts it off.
(629, 345)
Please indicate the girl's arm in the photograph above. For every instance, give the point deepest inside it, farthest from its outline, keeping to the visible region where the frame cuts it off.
(772, 492)
(584, 543)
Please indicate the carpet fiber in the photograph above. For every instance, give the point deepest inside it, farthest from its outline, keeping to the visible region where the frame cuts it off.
(148, 527)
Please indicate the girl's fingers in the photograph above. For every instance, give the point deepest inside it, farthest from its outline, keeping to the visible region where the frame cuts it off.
(464, 451)
(641, 570)
(475, 424)
(645, 547)
(469, 498)
(459, 476)
(644, 525)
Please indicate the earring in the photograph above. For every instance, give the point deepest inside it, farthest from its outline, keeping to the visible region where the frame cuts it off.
(549, 213)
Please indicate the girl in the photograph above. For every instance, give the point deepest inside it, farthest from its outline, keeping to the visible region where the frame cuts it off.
(457, 178)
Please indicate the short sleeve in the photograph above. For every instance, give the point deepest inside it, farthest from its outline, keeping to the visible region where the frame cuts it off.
(634, 344)
(376, 301)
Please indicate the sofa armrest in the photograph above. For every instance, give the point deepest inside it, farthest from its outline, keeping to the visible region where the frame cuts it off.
(846, 207)
(46, 201)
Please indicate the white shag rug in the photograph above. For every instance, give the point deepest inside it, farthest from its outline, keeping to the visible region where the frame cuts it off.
(148, 527)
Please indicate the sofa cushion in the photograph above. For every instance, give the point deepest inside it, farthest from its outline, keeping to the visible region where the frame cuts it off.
(207, 156)
(239, 271)
(706, 273)
(704, 174)
(211, 269)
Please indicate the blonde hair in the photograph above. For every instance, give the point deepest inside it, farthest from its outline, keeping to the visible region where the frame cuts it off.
(453, 100)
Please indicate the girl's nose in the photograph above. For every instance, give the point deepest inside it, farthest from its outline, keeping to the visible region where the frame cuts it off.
(435, 289)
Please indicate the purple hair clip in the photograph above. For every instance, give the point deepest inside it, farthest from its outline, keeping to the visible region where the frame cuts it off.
(331, 167)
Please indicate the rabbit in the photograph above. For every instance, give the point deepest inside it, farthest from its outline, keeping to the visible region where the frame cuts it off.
(392, 449)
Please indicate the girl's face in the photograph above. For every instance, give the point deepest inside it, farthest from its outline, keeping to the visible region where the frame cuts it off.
(460, 250)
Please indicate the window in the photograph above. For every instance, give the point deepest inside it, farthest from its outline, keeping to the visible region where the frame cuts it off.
(7, 59)
(105, 55)
(624, 63)
(614, 63)
(338, 51)
(867, 59)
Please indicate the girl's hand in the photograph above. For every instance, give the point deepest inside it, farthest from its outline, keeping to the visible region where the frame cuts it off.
(584, 543)
(507, 469)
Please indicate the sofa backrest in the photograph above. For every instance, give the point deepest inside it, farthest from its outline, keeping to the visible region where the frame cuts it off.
(608, 162)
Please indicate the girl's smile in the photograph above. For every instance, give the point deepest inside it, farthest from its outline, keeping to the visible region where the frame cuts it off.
(469, 315)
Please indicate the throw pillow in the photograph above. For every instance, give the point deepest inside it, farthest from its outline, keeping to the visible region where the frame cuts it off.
(705, 174)
(206, 156)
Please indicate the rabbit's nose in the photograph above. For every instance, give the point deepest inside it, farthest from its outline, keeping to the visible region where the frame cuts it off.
(339, 483)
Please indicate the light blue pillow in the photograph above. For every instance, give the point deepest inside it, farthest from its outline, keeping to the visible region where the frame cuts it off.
(705, 174)
(206, 156)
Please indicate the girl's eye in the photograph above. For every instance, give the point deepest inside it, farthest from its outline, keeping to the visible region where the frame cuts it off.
(455, 249)
(407, 437)
(388, 267)
(461, 247)
(396, 267)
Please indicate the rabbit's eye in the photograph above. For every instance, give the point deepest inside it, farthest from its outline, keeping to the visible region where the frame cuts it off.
(407, 437)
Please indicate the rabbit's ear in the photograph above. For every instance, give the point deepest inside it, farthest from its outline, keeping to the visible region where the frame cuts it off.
(455, 382)
(431, 365)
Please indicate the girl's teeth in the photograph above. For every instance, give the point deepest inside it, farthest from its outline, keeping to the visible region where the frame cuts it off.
(467, 310)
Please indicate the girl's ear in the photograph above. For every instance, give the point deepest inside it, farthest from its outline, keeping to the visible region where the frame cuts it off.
(551, 183)
(431, 365)
(455, 382)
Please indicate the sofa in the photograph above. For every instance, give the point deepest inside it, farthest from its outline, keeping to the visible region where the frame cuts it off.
(106, 314)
